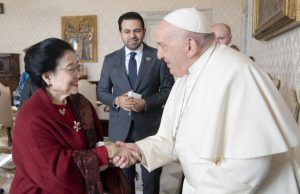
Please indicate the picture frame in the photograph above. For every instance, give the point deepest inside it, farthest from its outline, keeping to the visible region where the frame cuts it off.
(81, 33)
(273, 17)
(296, 104)
(276, 81)
(1, 8)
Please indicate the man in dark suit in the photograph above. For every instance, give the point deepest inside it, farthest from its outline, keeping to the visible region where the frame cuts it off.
(131, 118)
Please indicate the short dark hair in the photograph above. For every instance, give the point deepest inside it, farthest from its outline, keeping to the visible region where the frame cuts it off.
(130, 16)
(43, 57)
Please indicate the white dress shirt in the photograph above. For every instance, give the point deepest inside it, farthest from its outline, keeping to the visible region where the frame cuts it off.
(138, 57)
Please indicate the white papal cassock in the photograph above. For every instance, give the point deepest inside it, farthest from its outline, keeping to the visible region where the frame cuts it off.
(226, 108)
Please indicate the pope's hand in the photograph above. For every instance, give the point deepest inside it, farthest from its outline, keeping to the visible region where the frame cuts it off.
(129, 155)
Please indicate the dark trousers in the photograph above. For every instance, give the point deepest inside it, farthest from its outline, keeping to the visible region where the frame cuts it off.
(151, 181)
(181, 184)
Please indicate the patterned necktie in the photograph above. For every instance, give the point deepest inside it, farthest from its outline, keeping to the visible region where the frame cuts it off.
(132, 69)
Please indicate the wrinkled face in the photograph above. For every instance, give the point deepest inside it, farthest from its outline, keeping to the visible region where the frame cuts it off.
(64, 79)
(132, 33)
(222, 36)
(171, 50)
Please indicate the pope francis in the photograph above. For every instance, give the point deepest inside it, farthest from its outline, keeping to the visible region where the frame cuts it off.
(224, 120)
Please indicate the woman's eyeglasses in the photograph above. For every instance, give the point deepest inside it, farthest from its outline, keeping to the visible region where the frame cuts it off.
(74, 69)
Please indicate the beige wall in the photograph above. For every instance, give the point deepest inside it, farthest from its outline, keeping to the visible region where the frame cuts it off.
(27, 22)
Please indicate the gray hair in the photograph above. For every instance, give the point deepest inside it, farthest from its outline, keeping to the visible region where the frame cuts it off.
(180, 35)
(203, 40)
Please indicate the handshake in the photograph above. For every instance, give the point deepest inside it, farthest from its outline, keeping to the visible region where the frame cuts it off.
(123, 154)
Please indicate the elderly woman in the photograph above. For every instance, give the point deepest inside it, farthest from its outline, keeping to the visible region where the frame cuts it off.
(57, 129)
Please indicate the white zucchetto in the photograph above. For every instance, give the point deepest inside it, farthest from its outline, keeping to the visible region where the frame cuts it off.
(189, 19)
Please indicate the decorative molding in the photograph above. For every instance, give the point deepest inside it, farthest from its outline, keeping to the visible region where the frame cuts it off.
(153, 18)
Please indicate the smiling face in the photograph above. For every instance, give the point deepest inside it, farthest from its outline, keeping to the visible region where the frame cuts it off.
(64, 79)
(132, 33)
(172, 49)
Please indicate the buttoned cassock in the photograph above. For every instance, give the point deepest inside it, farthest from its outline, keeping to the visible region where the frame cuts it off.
(231, 110)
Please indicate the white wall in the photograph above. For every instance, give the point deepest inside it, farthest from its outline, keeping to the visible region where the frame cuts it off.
(279, 56)
(27, 22)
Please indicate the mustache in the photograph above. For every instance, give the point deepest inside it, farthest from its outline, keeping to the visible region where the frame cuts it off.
(134, 39)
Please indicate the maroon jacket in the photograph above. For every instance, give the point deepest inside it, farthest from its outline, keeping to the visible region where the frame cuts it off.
(42, 150)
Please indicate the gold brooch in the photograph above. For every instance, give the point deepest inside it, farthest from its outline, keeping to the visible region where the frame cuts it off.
(76, 126)
(62, 111)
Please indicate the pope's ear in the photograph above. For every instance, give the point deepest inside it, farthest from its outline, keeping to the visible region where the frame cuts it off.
(192, 47)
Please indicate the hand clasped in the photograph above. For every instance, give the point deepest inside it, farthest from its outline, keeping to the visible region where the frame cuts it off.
(127, 154)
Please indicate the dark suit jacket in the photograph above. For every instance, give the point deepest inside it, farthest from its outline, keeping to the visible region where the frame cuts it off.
(154, 82)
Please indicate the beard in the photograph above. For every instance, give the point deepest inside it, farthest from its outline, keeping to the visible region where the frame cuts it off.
(133, 44)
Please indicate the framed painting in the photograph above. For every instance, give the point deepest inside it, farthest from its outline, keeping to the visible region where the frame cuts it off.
(292, 101)
(81, 33)
(296, 104)
(272, 17)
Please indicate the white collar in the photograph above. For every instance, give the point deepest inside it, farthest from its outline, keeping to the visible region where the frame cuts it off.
(203, 59)
(138, 51)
